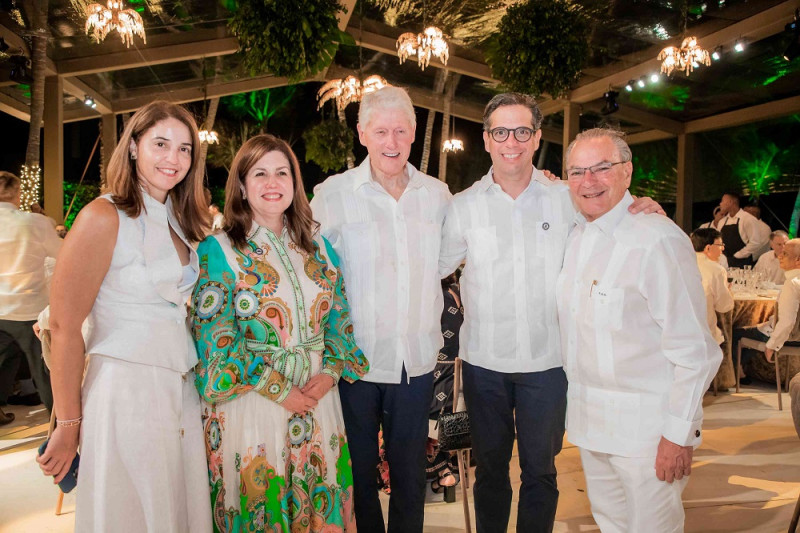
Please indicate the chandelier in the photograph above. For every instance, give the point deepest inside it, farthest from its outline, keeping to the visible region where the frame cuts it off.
(100, 21)
(348, 90)
(452, 145)
(686, 58)
(430, 42)
(208, 137)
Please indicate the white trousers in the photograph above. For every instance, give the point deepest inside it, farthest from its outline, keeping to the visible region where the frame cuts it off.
(627, 497)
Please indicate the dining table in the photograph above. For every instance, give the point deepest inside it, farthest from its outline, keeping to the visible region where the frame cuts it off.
(750, 308)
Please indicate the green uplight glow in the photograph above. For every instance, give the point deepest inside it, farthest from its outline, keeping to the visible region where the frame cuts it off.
(672, 97)
(779, 68)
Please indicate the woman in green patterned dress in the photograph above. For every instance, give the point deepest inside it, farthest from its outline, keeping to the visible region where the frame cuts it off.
(274, 336)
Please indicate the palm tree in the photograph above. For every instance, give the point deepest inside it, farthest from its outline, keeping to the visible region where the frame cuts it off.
(36, 11)
(438, 87)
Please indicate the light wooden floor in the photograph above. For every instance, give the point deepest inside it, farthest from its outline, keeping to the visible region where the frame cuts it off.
(746, 475)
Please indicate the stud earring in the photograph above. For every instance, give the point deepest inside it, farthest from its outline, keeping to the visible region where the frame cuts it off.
(133, 156)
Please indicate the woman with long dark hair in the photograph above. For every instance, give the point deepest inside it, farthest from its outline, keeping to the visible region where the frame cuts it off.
(274, 336)
(129, 266)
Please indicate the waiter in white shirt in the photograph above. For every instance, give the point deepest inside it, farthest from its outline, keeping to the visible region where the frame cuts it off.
(769, 264)
(511, 226)
(741, 232)
(384, 219)
(26, 240)
(636, 348)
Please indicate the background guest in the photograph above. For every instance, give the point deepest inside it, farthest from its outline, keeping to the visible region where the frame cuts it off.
(763, 230)
(26, 241)
(273, 332)
(708, 246)
(769, 264)
(782, 327)
(129, 266)
(442, 465)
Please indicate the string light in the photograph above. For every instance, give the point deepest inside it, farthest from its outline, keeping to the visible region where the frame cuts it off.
(30, 180)
(100, 21)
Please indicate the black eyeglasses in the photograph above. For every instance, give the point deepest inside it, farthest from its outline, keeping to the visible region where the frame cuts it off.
(521, 134)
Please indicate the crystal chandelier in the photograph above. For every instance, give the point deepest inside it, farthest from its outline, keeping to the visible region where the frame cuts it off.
(686, 58)
(430, 42)
(100, 21)
(348, 90)
(452, 145)
(208, 137)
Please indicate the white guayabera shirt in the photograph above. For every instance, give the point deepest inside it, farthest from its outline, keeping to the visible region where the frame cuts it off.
(637, 351)
(389, 251)
(513, 250)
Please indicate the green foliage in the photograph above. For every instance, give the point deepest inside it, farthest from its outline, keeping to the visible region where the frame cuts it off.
(288, 38)
(231, 137)
(328, 144)
(668, 96)
(83, 193)
(259, 106)
(540, 47)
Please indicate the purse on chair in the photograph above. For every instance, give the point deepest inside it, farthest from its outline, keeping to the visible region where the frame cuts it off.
(453, 428)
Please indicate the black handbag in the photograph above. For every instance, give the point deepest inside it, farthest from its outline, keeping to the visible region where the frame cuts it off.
(453, 430)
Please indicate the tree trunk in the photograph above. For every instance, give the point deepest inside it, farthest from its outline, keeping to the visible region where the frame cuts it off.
(351, 160)
(448, 101)
(37, 14)
(211, 116)
(438, 87)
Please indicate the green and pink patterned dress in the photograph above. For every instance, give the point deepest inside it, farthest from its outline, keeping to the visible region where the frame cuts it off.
(267, 319)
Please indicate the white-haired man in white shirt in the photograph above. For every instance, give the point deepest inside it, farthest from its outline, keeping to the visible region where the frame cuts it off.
(384, 218)
(637, 351)
(769, 264)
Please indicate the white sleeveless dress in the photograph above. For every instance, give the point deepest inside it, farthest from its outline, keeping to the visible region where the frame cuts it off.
(143, 461)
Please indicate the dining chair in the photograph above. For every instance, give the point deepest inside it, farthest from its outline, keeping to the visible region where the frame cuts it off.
(787, 351)
(794, 394)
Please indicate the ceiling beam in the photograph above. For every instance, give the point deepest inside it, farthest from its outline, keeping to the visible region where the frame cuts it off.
(645, 118)
(139, 98)
(14, 107)
(382, 43)
(647, 136)
(80, 90)
(755, 28)
(128, 59)
(748, 115)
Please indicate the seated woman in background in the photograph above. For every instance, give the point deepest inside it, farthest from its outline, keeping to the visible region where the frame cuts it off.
(128, 265)
(274, 336)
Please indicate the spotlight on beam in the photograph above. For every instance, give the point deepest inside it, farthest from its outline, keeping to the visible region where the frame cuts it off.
(793, 50)
(629, 86)
(611, 105)
(716, 55)
(640, 83)
(739, 46)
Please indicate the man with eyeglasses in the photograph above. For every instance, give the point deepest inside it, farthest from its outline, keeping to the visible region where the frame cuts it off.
(511, 227)
(637, 351)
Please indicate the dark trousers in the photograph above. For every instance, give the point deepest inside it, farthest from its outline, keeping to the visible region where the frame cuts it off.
(402, 409)
(754, 334)
(538, 403)
(16, 336)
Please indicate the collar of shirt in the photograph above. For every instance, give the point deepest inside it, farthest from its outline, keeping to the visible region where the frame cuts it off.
(608, 222)
(364, 176)
(791, 274)
(255, 226)
(153, 206)
(487, 181)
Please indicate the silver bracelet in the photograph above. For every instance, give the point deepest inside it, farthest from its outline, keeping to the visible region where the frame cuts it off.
(69, 423)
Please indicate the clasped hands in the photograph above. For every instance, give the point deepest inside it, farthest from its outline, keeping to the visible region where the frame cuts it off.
(302, 399)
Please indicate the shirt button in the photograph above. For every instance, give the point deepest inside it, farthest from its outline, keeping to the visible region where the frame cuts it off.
(546, 226)
(697, 433)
